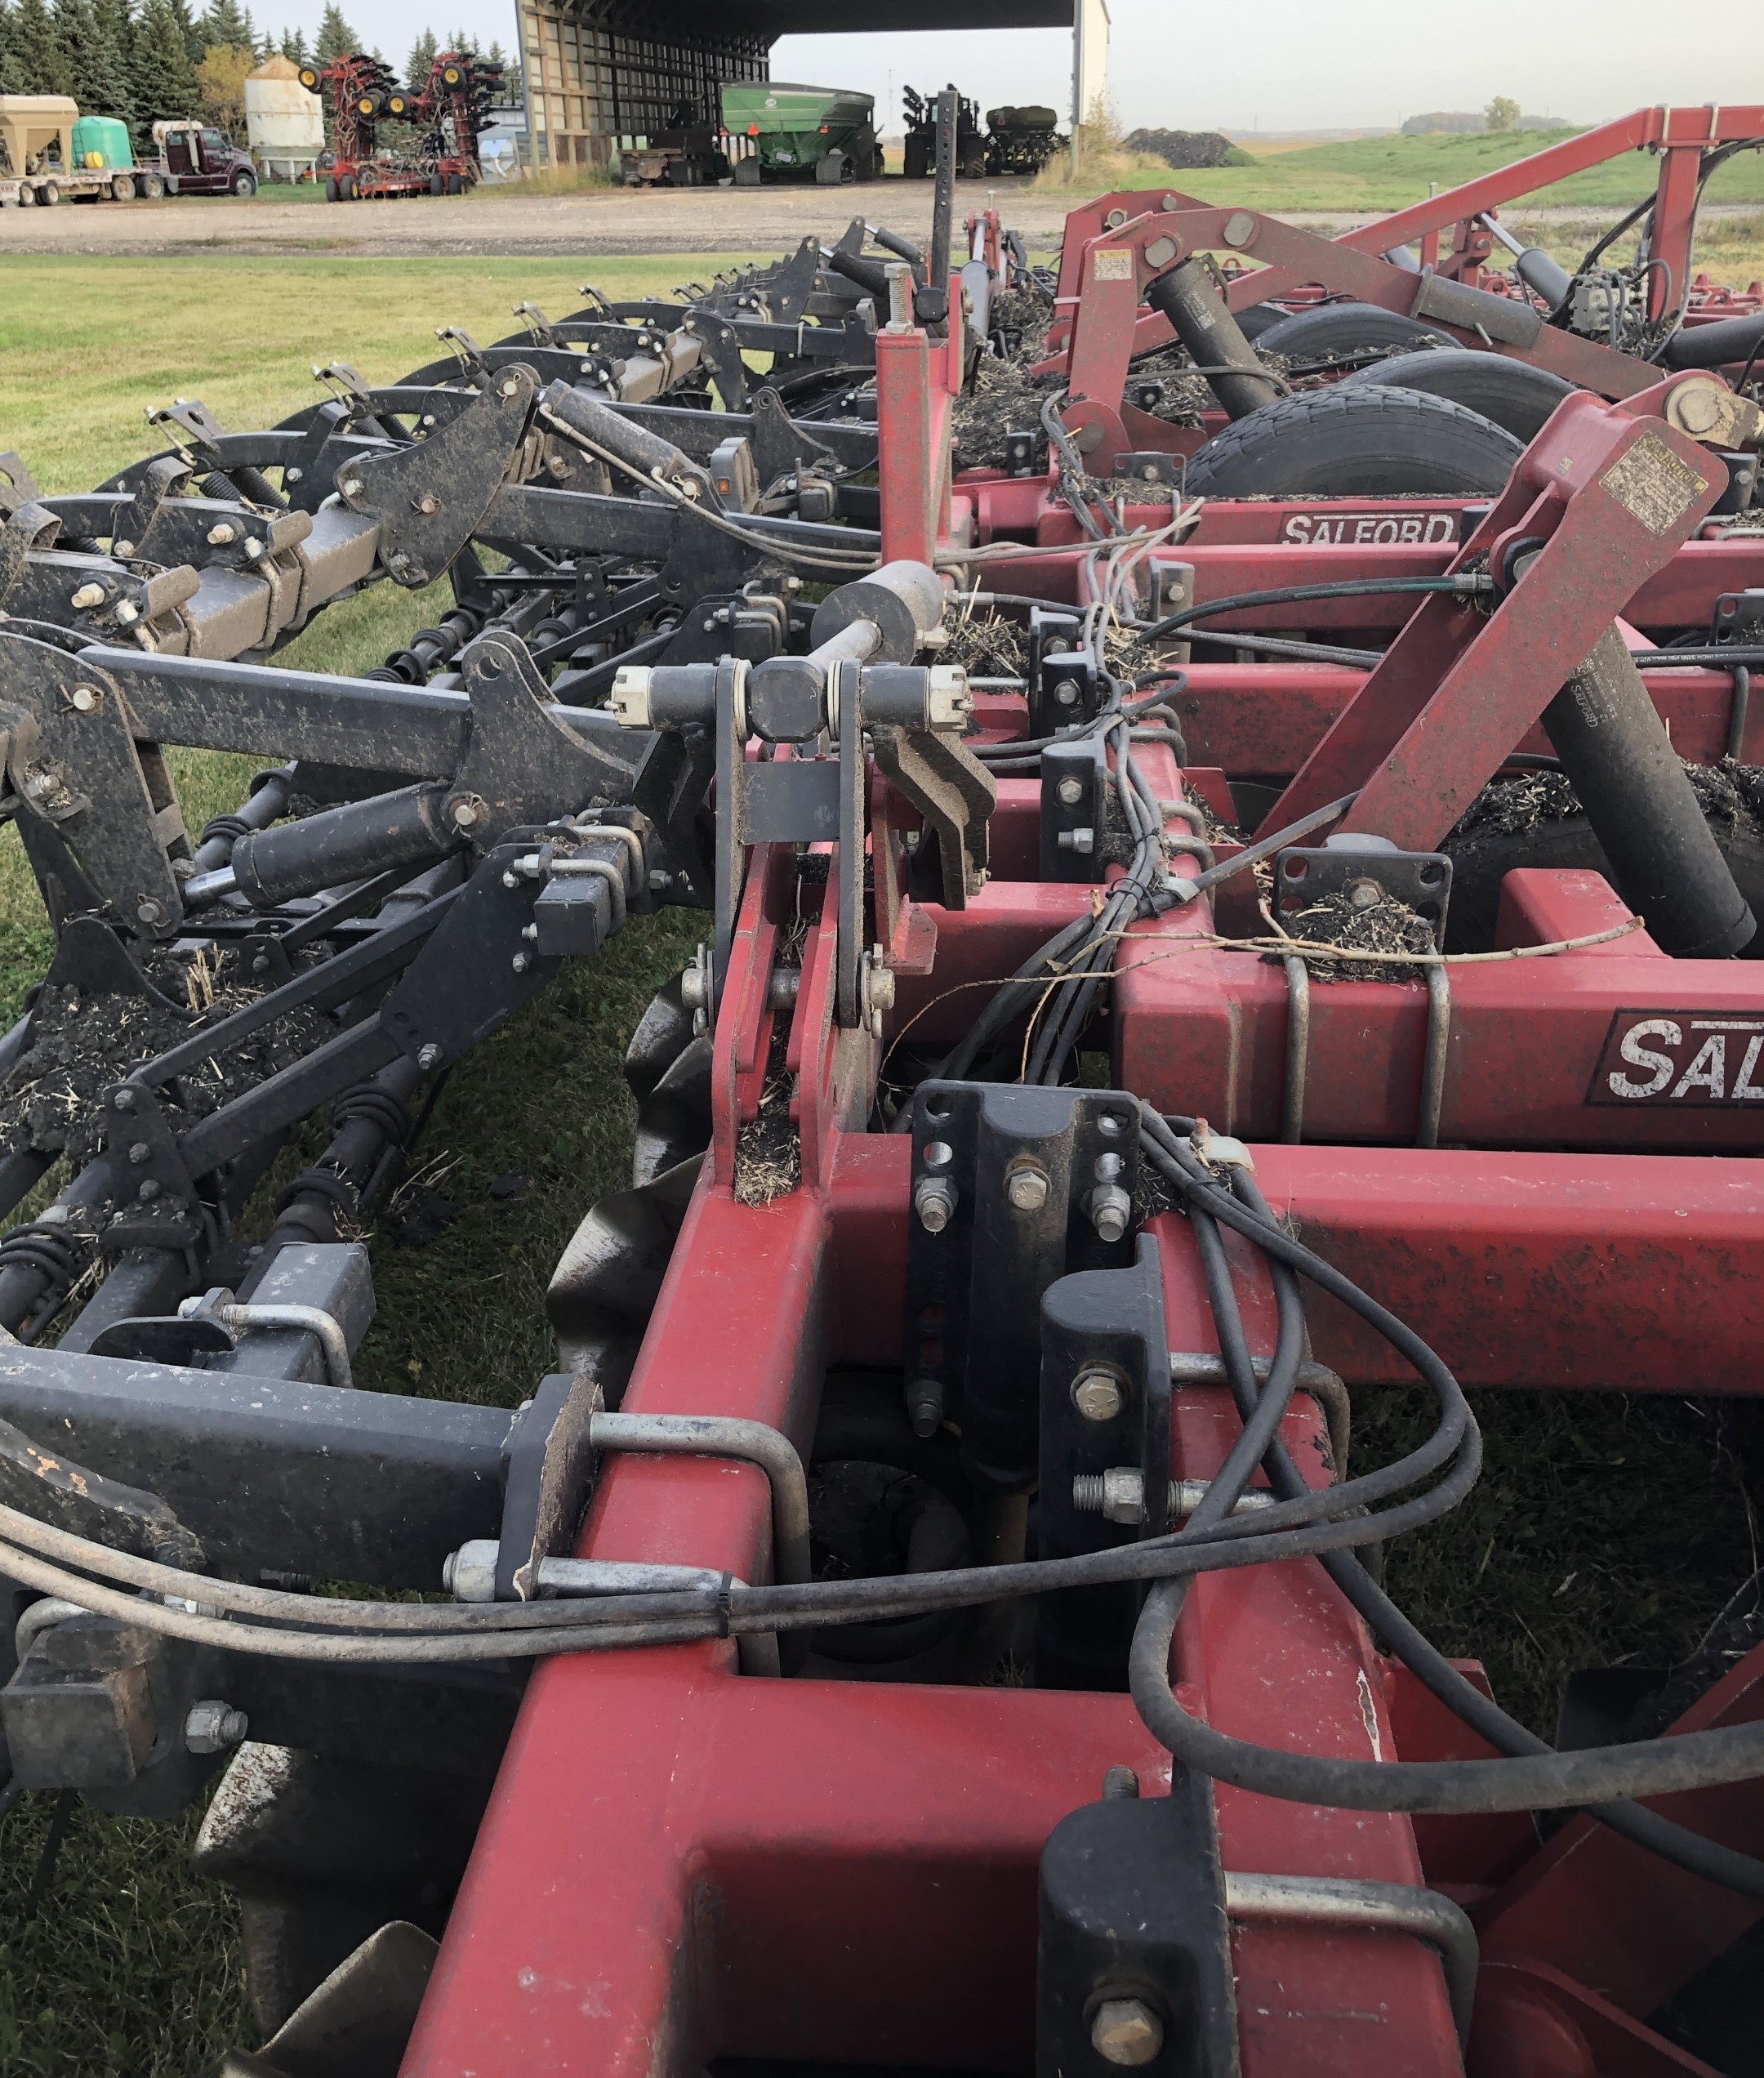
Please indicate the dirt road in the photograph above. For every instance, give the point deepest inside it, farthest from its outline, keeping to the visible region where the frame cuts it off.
(507, 221)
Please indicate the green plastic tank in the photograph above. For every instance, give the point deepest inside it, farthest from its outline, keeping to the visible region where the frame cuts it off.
(99, 141)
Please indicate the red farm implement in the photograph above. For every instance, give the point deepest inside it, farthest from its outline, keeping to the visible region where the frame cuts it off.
(1185, 969)
(440, 117)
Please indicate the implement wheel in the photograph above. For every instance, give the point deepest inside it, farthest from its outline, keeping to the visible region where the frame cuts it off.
(1342, 442)
(1343, 328)
(1512, 393)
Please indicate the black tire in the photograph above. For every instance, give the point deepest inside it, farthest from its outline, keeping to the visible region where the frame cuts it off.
(437, 185)
(152, 188)
(27, 196)
(244, 184)
(455, 185)
(747, 173)
(49, 194)
(1260, 319)
(1481, 860)
(346, 189)
(833, 169)
(1512, 393)
(1368, 443)
(1342, 328)
(332, 192)
(122, 188)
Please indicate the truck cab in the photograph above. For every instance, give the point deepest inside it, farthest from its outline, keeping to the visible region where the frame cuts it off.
(197, 160)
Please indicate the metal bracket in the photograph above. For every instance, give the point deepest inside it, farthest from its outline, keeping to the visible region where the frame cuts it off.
(1366, 873)
(1012, 1188)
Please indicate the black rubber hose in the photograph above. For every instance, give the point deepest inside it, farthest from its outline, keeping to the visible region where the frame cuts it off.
(1298, 594)
(1643, 810)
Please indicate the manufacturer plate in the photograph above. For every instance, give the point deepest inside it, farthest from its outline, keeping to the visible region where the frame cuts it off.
(1409, 530)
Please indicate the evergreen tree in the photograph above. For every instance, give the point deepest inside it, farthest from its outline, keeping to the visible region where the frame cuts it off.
(227, 22)
(462, 43)
(10, 82)
(97, 69)
(37, 56)
(115, 29)
(336, 38)
(293, 46)
(162, 75)
(422, 55)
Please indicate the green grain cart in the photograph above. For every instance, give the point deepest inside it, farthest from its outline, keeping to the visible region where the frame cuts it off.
(794, 133)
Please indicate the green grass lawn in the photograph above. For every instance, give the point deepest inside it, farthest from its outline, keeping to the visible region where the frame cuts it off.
(1384, 173)
(1564, 1556)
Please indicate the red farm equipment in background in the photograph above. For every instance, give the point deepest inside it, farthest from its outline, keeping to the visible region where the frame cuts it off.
(443, 115)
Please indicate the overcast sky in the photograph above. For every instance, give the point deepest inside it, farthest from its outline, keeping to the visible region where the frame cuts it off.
(1303, 65)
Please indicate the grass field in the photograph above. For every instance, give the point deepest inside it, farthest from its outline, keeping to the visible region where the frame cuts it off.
(1605, 1528)
(1383, 173)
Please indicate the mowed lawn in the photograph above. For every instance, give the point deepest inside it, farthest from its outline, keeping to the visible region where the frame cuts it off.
(1562, 1558)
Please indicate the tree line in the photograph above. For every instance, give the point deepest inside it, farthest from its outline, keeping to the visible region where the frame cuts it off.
(148, 61)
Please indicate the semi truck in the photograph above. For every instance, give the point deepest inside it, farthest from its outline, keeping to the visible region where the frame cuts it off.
(825, 134)
(50, 153)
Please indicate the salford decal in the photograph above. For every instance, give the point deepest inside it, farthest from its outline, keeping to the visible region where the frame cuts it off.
(1684, 1059)
(1414, 530)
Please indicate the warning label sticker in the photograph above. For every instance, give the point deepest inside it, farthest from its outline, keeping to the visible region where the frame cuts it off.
(1651, 483)
(1113, 263)
(1684, 1059)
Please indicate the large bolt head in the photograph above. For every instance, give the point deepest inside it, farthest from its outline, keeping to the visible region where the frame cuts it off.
(1098, 1396)
(934, 1202)
(1027, 1187)
(1127, 2031)
(1070, 792)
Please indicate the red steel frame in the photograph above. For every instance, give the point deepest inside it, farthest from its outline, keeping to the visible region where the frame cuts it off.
(680, 1863)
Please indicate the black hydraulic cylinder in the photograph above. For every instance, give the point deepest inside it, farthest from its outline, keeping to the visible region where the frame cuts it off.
(1643, 810)
(1544, 276)
(1200, 319)
(1727, 342)
(350, 843)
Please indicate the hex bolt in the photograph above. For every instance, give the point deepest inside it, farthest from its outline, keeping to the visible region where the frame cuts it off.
(530, 932)
(1026, 1184)
(128, 612)
(1066, 692)
(1365, 894)
(212, 1727)
(123, 550)
(293, 475)
(351, 486)
(222, 536)
(1119, 1781)
(1097, 1395)
(139, 1151)
(123, 1100)
(924, 1406)
(511, 880)
(934, 1202)
(1126, 2031)
(520, 963)
(1070, 792)
(253, 549)
(1110, 1211)
(88, 596)
(150, 1189)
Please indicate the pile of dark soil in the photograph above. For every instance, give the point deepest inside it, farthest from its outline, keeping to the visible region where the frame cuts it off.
(1188, 148)
(82, 1045)
(1383, 926)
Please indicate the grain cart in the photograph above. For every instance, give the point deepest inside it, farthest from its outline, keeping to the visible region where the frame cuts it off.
(797, 133)
(50, 153)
